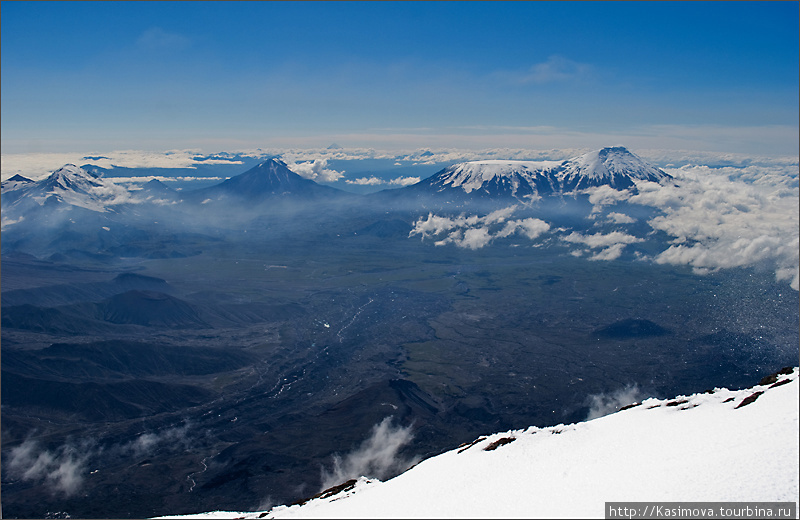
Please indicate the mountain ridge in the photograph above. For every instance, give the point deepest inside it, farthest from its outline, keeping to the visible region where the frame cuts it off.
(269, 179)
(720, 445)
(529, 181)
(522, 181)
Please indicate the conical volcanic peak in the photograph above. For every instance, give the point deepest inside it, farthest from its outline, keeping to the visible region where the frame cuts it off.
(271, 178)
(72, 178)
(16, 182)
(612, 166)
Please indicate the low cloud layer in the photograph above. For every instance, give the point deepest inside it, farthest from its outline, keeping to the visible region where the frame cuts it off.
(729, 217)
(377, 457)
(717, 218)
(37, 166)
(474, 232)
(375, 181)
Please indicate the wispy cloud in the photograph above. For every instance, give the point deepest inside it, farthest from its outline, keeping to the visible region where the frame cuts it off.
(555, 69)
(377, 457)
(157, 39)
(611, 244)
(148, 442)
(61, 470)
(604, 404)
(375, 181)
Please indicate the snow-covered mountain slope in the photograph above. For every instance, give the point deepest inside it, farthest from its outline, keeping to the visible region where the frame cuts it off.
(69, 185)
(526, 181)
(722, 445)
(519, 179)
(615, 167)
(14, 183)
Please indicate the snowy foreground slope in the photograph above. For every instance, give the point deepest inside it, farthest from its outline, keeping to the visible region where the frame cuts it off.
(725, 445)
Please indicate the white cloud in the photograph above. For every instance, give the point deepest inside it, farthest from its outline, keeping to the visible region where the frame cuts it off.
(10, 221)
(612, 244)
(375, 181)
(157, 39)
(366, 181)
(610, 253)
(675, 158)
(161, 178)
(474, 238)
(556, 69)
(601, 240)
(729, 217)
(377, 457)
(605, 196)
(148, 442)
(530, 227)
(604, 404)
(61, 470)
(474, 232)
(37, 166)
(316, 170)
(620, 218)
(432, 225)
(404, 181)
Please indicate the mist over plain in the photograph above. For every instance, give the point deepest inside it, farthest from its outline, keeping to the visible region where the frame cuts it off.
(244, 340)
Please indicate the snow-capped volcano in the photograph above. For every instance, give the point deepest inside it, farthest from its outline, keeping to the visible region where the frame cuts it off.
(70, 185)
(14, 183)
(271, 178)
(519, 179)
(615, 167)
(526, 181)
(719, 446)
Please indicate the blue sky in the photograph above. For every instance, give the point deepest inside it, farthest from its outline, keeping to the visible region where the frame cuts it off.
(94, 76)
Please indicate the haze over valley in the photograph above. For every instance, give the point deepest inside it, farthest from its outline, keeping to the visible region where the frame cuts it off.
(231, 346)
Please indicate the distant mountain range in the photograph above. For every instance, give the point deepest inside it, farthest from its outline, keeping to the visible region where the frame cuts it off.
(69, 185)
(527, 181)
(77, 212)
(521, 181)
